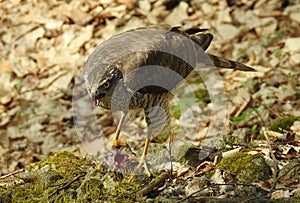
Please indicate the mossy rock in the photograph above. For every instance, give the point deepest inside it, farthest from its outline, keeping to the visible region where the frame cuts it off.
(283, 124)
(245, 167)
(49, 178)
(40, 181)
(65, 177)
(91, 189)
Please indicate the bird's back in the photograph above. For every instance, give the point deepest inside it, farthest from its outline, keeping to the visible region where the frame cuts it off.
(166, 57)
(154, 59)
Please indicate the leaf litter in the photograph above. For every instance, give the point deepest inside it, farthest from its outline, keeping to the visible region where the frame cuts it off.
(44, 45)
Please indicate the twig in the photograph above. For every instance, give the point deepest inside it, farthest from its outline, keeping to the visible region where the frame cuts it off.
(274, 162)
(66, 185)
(12, 173)
(149, 188)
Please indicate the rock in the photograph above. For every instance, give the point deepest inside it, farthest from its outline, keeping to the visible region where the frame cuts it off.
(246, 167)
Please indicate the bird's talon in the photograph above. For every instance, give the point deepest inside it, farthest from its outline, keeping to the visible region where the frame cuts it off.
(143, 163)
(131, 179)
(118, 144)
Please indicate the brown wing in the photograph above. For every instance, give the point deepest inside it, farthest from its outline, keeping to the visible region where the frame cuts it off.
(154, 59)
(119, 47)
(169, 60)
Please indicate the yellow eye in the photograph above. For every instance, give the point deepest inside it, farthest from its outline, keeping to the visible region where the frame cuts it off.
(106, 85)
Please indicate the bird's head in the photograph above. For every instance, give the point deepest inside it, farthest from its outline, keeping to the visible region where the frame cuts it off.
(103, 91)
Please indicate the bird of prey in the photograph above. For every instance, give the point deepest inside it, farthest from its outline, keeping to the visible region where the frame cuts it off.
(139, 68)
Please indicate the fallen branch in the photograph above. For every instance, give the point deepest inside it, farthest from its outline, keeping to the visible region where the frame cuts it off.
(155, 183)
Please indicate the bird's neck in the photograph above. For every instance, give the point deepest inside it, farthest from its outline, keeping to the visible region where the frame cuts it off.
(124, 99)
(120, 100)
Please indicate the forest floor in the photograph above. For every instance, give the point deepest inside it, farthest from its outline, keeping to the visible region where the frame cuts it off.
(48, 151)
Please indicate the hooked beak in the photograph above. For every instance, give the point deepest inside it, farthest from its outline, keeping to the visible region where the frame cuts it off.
(96, 99)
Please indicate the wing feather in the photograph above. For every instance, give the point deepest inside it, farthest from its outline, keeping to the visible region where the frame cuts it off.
(154, 59)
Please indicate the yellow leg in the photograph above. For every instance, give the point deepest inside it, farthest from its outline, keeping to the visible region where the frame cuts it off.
(116, 142)
(143, 162)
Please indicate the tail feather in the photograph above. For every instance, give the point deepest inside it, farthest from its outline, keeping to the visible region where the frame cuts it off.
(225, 63)
(203, 40)
(197, 35)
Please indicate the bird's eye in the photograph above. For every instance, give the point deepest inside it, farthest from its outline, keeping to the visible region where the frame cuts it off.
(106, 85)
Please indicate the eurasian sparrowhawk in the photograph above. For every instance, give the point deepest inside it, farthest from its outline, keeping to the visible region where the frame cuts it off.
(139, 69)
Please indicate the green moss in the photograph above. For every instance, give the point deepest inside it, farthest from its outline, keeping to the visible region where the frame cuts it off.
(65, 177)
(91, 189)
(124, 192)
(57, 161)
(283, 124)
(44, 177)
(246, 167)
(106, 186)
